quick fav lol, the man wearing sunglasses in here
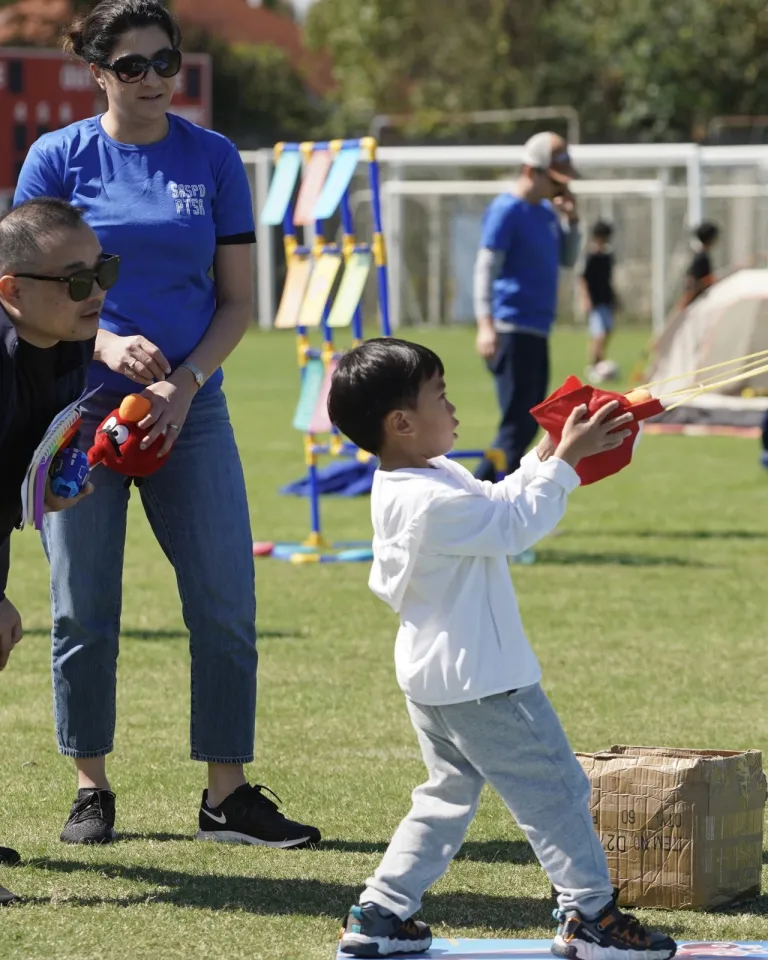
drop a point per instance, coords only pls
(53, 275)
(528, 234)
(51, 269)
(52, 281)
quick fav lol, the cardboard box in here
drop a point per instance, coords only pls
(680, 828)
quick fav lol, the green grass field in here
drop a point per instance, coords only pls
(645, 610)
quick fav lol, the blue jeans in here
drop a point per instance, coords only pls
(197, 508)
(515, 743)
(764, 429)
(520, 369)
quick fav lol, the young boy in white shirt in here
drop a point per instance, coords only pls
(471, 680)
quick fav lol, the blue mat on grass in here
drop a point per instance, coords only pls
(454, 949)
(342, 478)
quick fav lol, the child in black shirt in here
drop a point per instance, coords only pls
(700, 275)
(598, 295)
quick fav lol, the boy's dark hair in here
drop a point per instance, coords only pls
(24, 227)
(372, 380)
(602, 230)
(707, 232)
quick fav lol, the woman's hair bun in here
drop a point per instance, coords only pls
(74, 37)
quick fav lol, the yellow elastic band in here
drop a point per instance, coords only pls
(694, 392)
(763, 354)
(755, 366)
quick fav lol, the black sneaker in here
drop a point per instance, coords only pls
(247, 816)
(7, 897)
(370, 931)
(612, 935)
(92, 818)
(9, 857)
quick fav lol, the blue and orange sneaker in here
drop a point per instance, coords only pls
(612, 935)
(371, 931)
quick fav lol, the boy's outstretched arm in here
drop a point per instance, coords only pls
(466, 523)
(514, 483)
(474, 525)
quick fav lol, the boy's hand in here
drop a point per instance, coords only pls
(10, 630)
(545, 447)
(584, 436)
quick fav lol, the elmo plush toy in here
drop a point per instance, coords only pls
(554, 411)
(117, 443)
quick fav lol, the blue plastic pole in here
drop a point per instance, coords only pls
(347, 221)
(314, 504)
(379, 247)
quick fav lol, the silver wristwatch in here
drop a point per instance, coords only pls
(196, 372)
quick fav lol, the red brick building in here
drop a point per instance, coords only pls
(40, 23)
(34, 22)
(241, 21)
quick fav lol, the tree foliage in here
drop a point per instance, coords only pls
(653, 70)
(427, 56)
(258, 96)
(634, 69)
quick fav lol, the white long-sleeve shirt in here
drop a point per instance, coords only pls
(440, 548)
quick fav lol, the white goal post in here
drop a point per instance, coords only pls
(392, 191)
(658, 192)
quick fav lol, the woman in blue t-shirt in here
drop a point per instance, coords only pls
(172, 199)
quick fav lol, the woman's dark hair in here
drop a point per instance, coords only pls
(92, 37)
(372, 380)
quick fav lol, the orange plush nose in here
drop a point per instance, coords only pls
(134, 408)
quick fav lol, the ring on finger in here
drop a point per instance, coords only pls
(174, 426)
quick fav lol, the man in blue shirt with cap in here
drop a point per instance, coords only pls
(528, 234)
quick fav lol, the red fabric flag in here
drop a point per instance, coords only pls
(552, 413)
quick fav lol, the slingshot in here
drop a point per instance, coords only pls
(649, 400)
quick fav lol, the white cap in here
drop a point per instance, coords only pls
(549, 151)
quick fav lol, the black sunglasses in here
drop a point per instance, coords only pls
(81, 281)
(134, 67)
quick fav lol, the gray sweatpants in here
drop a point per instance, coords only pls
(515, 743)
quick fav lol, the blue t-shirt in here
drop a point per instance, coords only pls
(529, 235)
(163, 207)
